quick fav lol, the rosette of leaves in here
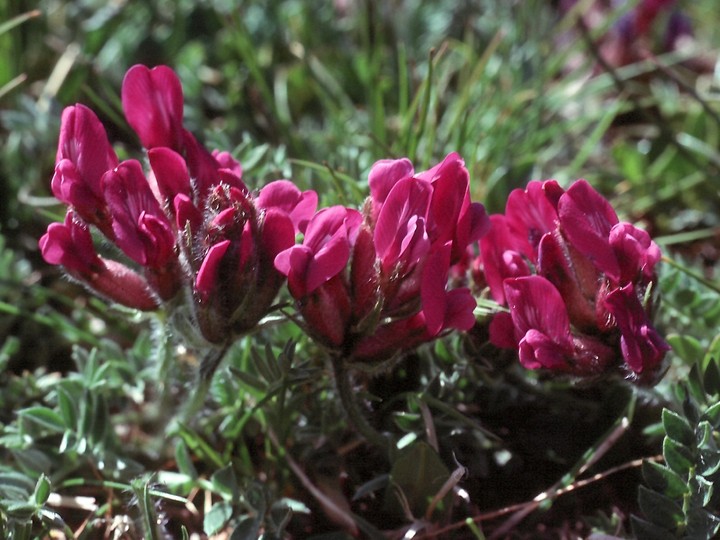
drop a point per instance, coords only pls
(678, 499)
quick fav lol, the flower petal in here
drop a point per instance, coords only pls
(586, 219)
(152, 100)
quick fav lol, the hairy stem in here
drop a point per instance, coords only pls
(356, 416)
(208, 366)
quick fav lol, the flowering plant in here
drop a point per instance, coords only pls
(374, 283)
(578, 283)
(311, 355)
(198, 240)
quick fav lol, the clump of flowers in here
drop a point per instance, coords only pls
(192, 238)
(577, 282)
(189, 232)
(370, 284)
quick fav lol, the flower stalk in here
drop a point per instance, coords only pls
(343, 382)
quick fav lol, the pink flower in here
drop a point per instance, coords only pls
(577, 256)
(543, 332)
(153, 103)
(453, 217)
(541, 323)
(189, 223)
(70, 245)
(237, 243)
(170, 174)
(503, 254)
(384, 174)
(324, 253)
(401, 238)
(83, 156)
(142, 229)
(284, 195)
(441, 308)
(532, 213)
(586, 219)
(641, 345)
(370, 286)
(316, 272)
(635, 252)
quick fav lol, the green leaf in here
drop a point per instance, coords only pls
(661, 510)
(281, 514)
(247, 529)
(662, 479)
(695, 384)
(677, 457)
(248, 379)
(217, 517)
(406, 421)
(67, 405)
(702, 490)
(688, 348)
(677, 428)
(711, 377)
(32, 461)
(141, 489)
(371, 486)
(199, 446)
(702, 524)
(184, 460)
(712, 415)
(100, 419)
(15, 485)
(52, 518)
(225, 482)
(644, 530)
(42, 490)
(690, 406)
(22, 511)
(419, 473)
(44, 417)
(704, 435)
(709, 462)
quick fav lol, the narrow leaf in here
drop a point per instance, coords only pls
(225, 482)
(217, 517)
(43, 417)
(677, 457)
(660, 509)
(662, 479)
(677, 428)
(184, 461)
(644, 530)
(42, 490)
(712, 415)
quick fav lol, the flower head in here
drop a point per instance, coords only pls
(374, 284)
(572, 276)
(188, 222)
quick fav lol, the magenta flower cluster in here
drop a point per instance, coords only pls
(190, 236)
(188, 227)
(577, 282)
(373, 283)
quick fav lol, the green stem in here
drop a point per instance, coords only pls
(208, 366)
(356, 416)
